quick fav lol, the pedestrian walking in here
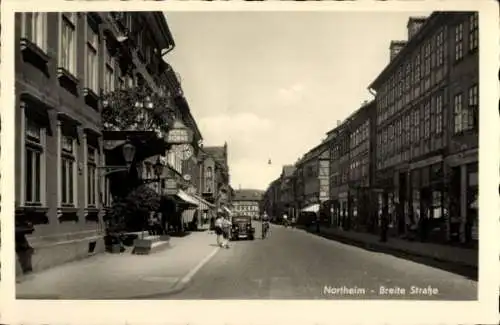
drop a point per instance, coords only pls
(285, 220)
(218, 223)
(384, 224)
(226, 231)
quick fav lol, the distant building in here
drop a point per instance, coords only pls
(287, 191)
(215, 185)
(312, 180)
(247, 202)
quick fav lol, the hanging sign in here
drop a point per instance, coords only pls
(179, 134)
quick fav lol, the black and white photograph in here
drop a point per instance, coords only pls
(260, 155)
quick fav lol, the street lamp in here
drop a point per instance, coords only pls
(158, 168)
(128, 153)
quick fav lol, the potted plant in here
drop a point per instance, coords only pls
(139, 204)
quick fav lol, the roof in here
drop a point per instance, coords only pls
(288, 170)
(247, 195)
(166, 39)
(216, 152)
(429, 22)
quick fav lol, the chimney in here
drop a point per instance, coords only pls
(339, 122)
(395, 47)
(414, 24)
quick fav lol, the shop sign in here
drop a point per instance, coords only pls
(171, 186)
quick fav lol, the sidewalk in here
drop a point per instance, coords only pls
(448, 254)
(124, 276)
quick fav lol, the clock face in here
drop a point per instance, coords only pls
(186, 151)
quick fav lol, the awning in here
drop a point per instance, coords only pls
(186, 198)
(188, 215)
(224, 209)
(203, 204)
(311, 208)
(227, 210)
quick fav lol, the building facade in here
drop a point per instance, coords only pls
(427, 130)
(287, 195)
(312, 182)
(216, 178)
(339, 175)
(361, 150)
(64, 63)
(272, 198)
(246, 202)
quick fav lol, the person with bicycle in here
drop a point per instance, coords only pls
(265, 225)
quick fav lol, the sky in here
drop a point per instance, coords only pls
(272, 84)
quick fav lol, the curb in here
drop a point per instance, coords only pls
(383, 248)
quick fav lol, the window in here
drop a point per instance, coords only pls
(34, 160)
(399, 131)
(91, 176)
(417, 69)
(416, 126)
(407, 129)
(427, 58)
(427, 120)
(108, 200)
(209, 173)
(473, 31)
(34, 28)
(109, 72)
(459, 29)
(473, 105)
(439, 114)
(408, 76)
(462, 115)
(68, 172)
(91, 63)
(391, 138)
(67, 48)
(440, 48)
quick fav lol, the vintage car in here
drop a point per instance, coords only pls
(242, 228)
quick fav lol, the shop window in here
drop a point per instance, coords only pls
(437, 204)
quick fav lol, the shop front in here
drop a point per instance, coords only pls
(463, 197)
(428, 218)
(343, 201)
